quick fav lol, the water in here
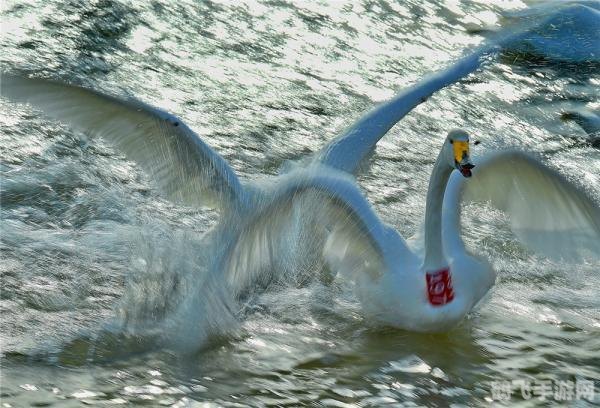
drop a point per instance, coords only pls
(102, 278)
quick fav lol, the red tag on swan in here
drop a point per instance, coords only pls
(439, 287)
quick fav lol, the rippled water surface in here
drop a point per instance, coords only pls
(94, 261)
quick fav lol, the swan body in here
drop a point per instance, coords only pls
(317, 215)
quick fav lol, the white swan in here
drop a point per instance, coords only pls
(562, 31)
(321, 203)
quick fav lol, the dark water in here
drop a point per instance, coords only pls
(94, 261)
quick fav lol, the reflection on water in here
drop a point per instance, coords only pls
(100, 275)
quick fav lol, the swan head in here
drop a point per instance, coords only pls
(456, 151)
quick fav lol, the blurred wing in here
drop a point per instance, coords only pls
(557, 31)
(314, 220)
(347, 151)
(547, 212)
(183, 167)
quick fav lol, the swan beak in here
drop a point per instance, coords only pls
(461, 158)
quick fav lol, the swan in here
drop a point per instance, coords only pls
(560, 31)
(262, 224)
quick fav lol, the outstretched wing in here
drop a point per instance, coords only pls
(564, 31)
(547, 212)
(184, 168)
(314, 218)
(348, 150)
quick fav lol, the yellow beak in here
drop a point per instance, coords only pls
(461, 158)
(461, 151)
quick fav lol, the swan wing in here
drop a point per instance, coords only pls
(547, 212)
(348, 150)
(314, 218)
(185, 169)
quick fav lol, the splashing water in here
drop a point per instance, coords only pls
(110, 293)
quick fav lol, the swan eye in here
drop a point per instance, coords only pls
(461, 151)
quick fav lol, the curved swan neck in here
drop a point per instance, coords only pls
(434, 254)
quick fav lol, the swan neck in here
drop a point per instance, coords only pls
(434, 254)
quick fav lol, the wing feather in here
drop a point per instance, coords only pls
(315, 218)
(184, 168)
(348, 150)
(547, 212)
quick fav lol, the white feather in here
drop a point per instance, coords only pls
(547, 212)
(184, 168)
(347, 151)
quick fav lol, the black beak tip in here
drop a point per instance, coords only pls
(465, 169)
